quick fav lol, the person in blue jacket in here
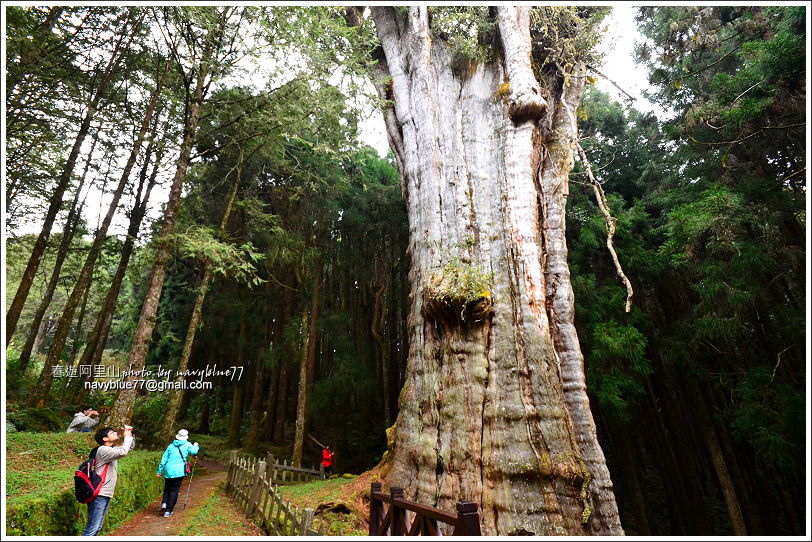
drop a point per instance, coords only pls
(173, 469)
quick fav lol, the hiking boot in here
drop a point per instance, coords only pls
(167, 514)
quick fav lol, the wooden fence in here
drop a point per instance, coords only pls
(282, 473)
(408, 518)
(250, 483)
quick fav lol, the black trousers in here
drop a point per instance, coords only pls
(171, 491)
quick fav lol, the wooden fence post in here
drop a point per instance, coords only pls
(259, 475)
(468, 518)
(307, 519)
(374, 510)
(397, 513)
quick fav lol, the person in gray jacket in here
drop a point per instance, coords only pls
(107, 454)
(82, 420)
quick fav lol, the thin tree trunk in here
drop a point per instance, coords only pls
(281, 405)
(98, 339)
(271, 398)
(194, 322)
(255, 427)
(62, 253)
(377, 333)
(628, 455)
(488, 412)
(205, 412)
(235, 428)
(77, 338)
(41, 332)
(86, 275)
(306, 370)
(123, 407)
(27, 279)
(717, 457)
(301, 402)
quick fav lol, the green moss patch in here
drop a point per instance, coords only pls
(328, 499)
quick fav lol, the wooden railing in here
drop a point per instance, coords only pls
(408, 518)
(250, 483)
(282, 473)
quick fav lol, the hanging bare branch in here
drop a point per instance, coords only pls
(610, 226)
(631, 98)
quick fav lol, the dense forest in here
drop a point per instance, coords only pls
(186, 191)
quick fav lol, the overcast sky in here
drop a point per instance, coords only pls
(618, 44)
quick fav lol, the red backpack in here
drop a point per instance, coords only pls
(87, 483)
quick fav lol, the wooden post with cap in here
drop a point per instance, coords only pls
(467, 519)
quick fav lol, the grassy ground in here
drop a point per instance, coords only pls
(219, 517)
(342, 503)
(41, 461)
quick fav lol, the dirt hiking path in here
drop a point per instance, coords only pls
(208, 484)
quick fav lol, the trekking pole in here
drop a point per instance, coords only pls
(188, 489)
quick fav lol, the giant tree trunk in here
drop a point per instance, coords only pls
(493, 408)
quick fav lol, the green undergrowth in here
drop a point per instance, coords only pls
(39, 484)
(212, 447)
(332, 502)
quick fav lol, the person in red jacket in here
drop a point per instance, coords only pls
(327, 460)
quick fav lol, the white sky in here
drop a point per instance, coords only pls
(618, 43)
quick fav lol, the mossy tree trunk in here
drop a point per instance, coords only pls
(494, 407)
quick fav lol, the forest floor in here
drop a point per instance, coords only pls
(209, 511)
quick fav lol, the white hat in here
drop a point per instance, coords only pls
(183, 434)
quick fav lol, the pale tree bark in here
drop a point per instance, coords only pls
(493, 407)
